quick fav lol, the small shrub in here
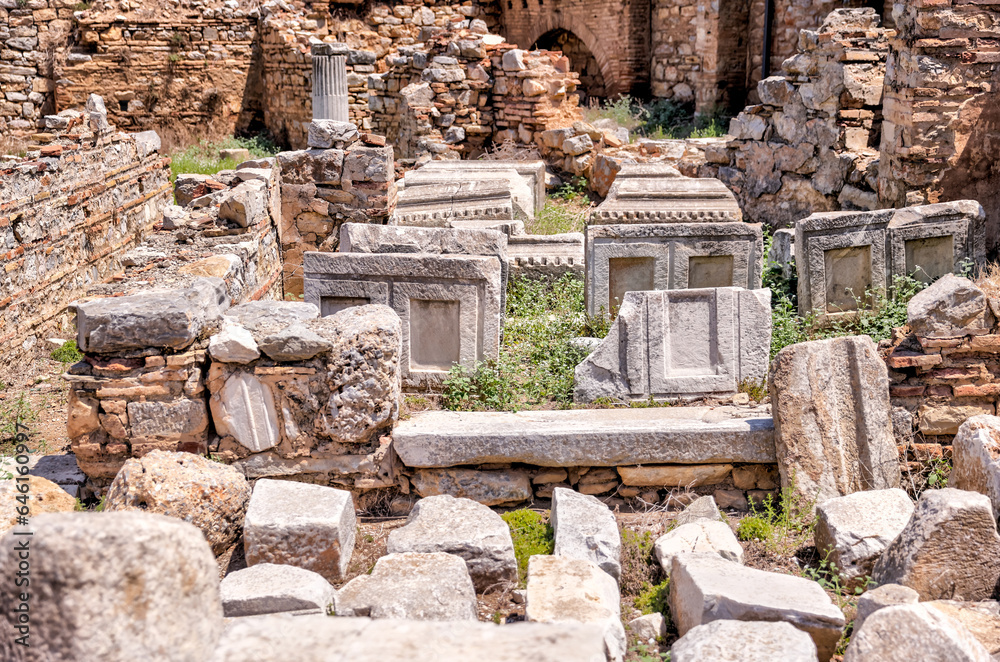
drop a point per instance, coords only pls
(558, 218)
(654, 598)
(712, 130)
(67, 353)
(646, 653)
(532, 535)
(778, 522)
(754, 527)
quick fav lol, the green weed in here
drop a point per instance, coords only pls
(532, 535)
(624, 110)
(778, 523)
(68, 352)
(203, 158)
(654, 598)
(757, 390)
(647, 653)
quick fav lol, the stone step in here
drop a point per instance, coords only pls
(587, 437)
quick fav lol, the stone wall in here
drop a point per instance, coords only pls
(69, 210)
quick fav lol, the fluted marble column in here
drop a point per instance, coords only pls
(329, 90)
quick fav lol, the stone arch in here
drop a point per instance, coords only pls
(593, 86)
(553, 24)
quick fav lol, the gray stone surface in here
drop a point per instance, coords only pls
(650, 193)
(245, 204)
(706, 587)
(702, 536)
(326, 134)
(744, 641)
(852, 531)
(546, 255)
(782, 253)
(210, 495)
(294, 343)
(982, 619)
(267, 588)
(585, 437)
(952, 307)
(329, 81)
(975, 454)
(913, 632)
(311, 638)
(187, 187)
(832, 424)
(425, 587)
(60, 469)
(156, 597)
(669, 256)
(521, 194)
(170, 319)
(464, 528)
(233, 344)
(308, 526)
(533, 173)
(585, 528)
(491, 488)
(880, 597)
(439, 204)
(244, 408)
(701, 508)
(665, 345)
(649, 627)
(949, 549)
(566, 590)
(263, 318)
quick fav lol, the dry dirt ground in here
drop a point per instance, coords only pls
(34, 393)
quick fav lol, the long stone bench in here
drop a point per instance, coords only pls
(585, 437)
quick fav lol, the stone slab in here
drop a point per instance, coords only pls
(521, 194)
(744, 641)
(546, 255)
(439, 204)
(640, 195)
(267, 588)
(585, 528)
(533, 173)
(586, 437)
(852, 531)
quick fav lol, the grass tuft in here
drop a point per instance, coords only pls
(203, 158)
(68, 352)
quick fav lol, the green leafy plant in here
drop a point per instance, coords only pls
(532, 535)
(778, 522)
(202, 158)
(940, 471)
(68, 352)
(624, 110)
(653, 598)
(174, 58)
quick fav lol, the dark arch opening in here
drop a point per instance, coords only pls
(592, 86)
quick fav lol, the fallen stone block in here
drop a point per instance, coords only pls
(294, 343)
(832, 423)
(521, 194)
(163, 319)
(655, 193)
(245, 204)
(299, 524)
(464, 528)
(533, 173)
(327, 133)
(982, 619)
(913, 632)
(949, 550)
(267, 588)
(706, 587)
(665, 345)
(547, 255)
(210, 495)
(155, 598)
(701, 508)
(566, 590)
(880, 597)
(42, 496)
(703, 536)
(584, 437)
(585, 528)
(233, 344)
(744, 641)
(975, 454)
(950, 308)
(424, 587)
(306, 638)
(650, 627)
(491, 488)
(677, 475)
(262, 318)
(437, 205)
(852, 531)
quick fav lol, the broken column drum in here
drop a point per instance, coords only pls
(329, 91)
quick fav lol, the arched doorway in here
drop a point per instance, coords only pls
(592, 86)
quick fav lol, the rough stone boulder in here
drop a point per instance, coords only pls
(648, 627)
(115, 587)
(328, 134)
(308, 638)
(233, 344)
(975, 454)
(913, 632)
(701, 508)
(44, 496)
(951, 307)
(210, 495)
(267, 588)
(263, 318)
(423, 587)
(880, 597)
(744, 641)
(585, 528)
(949, 550)
(852, 531)
(308, 526)
(566, 590)
(832, 424)
(187, 187)
(706, 587)
(164, 318)
(464, 528)
(982, 619)
(245, 204)
(704, 536)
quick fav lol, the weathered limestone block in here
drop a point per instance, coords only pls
(852, 531)
(942, 418)
(565, 590)
(155, 598)
(521, 194)
(654, 193)
(364, 640)
(585, 528)
(438, 205)
(982, 619)
(703, 536)
(699, 509)
(913, 632)
(880, 597)
(267, 588)
(181, 419)
(491, 488)
(308, 526)
(246, 204)
(294, 343)
(168, 319)
(676, 475)
(210, 495)
(533, 173)
(233, 344)
(951, 307)
(949, 550)
(464, 528)
(244, 408)
(833, 431)
(706, 587)
(43, 496)
(329, 133)
(680, 343)
(546, 255)
(425, 587)
(975, 454)
(187, 187)
(649, 627)
(744, 641)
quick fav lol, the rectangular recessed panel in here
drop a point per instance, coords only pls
(930, 258)
(435, 334)
(692, 338)
(331, 305)
(629, 274)
(710, 271)
(848, 277)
